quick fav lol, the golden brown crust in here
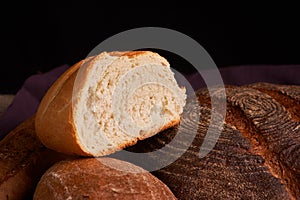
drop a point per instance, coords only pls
(55, 108)
(131, 54)
(171, 124)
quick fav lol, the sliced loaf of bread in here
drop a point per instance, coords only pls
(110, 101)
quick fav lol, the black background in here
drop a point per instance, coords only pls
(37, 37)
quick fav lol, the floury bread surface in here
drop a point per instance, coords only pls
(100, 178)
(110, 101)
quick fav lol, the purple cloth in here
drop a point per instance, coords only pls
(29, 96)
(27, 99)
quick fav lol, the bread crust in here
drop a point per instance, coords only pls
(23, 160)
(104, 178)
(54, 122)
(169, 125)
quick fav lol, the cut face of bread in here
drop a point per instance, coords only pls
(124, 98)
(117, 98)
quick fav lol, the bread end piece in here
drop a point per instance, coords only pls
(83, 112)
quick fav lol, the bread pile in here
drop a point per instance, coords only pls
(99, 106)
(256, 155)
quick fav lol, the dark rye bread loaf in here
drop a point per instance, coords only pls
(257, 155)
(23, 160)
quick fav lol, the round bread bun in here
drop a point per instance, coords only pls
(99, 178)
